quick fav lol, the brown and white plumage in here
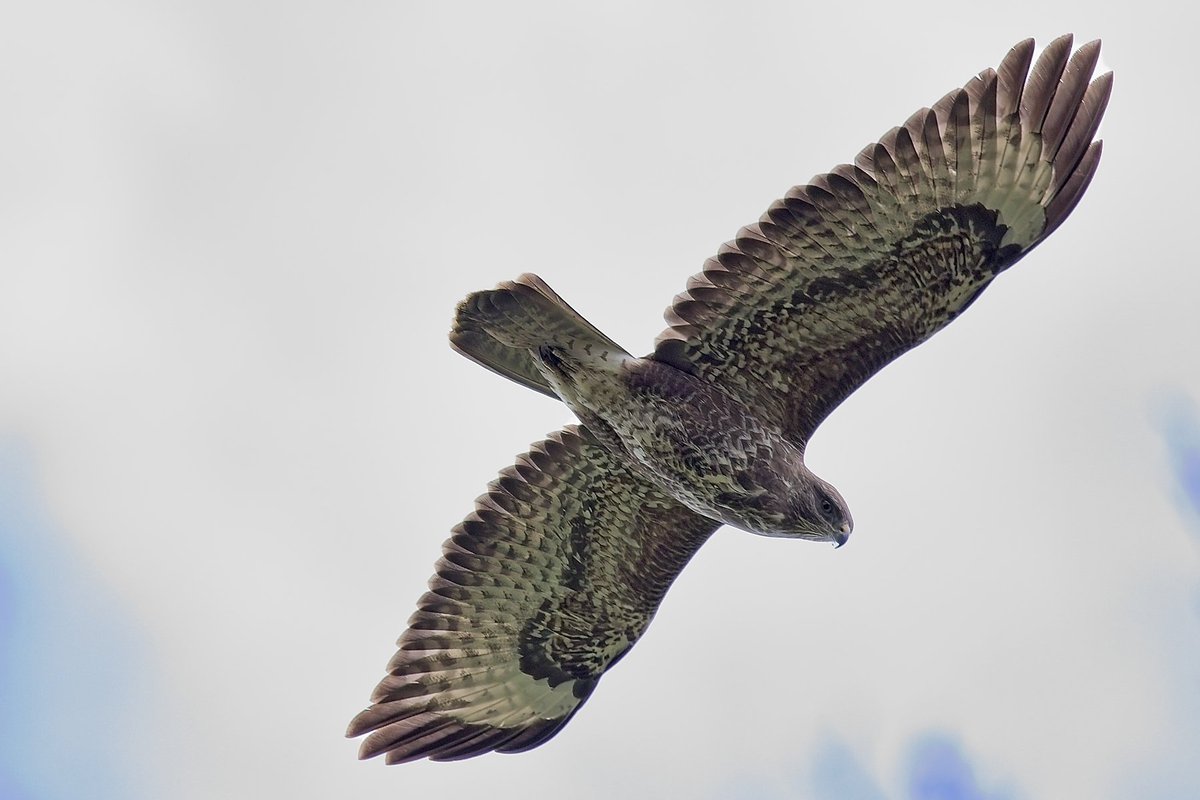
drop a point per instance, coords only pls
(562, 564)
(537, 592)
(869, 260)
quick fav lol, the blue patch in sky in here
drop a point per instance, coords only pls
(1175, 772)
(839, 775)
(71, 665)
(937, 769)
(1181, 434)
(934, 767)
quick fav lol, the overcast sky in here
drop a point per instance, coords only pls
(233, 436)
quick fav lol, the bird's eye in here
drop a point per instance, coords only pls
(827, 507)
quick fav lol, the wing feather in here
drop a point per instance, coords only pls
(542, 588)
(1079, 135)
(865, 262)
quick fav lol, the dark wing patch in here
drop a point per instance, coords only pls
(864, 263)
(549, 581)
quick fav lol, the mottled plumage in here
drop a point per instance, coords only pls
(564, 561)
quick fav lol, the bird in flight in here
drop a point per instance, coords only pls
(561, 566)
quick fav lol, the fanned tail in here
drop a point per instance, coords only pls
(503, 328)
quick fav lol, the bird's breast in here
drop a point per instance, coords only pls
(699, 444)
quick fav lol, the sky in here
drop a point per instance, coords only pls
(233, 436)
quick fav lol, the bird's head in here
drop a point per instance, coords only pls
(819, 512)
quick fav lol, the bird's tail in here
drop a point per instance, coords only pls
(508, 329)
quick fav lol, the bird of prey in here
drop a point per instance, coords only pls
(562, 564)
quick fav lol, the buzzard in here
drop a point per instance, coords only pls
(562, 564)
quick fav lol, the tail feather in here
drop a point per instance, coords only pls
(516, 365)
(502, 329)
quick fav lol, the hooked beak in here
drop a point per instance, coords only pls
(842, 535)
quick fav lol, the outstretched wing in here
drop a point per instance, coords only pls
(862, 264)
(541, 589)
